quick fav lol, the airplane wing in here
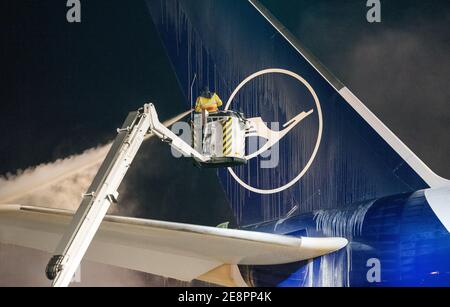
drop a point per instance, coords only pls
(180, 251)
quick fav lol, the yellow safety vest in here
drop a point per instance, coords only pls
(209, 104)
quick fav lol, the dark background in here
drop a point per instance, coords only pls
(67, 87)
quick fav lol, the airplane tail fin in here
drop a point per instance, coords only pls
(339, 154)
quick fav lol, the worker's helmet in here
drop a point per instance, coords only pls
(206, 93)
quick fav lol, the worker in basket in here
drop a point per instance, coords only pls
(208, 101)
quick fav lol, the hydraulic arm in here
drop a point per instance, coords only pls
(103, 190)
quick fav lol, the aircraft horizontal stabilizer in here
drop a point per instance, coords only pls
(181, 251)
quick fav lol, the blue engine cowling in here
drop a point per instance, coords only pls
(393, 241)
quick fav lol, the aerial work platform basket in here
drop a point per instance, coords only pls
(220, 137)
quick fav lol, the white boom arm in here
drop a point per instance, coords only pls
(168, 136)
(103, 190)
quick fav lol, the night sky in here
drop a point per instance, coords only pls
(67, 87)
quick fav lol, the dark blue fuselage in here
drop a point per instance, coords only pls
(393, 241)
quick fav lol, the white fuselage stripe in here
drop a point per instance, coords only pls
(439, 201)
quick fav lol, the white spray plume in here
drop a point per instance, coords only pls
(58, 184)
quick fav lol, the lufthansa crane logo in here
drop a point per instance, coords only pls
(273, 137)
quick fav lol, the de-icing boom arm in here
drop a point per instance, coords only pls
(103, 190)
